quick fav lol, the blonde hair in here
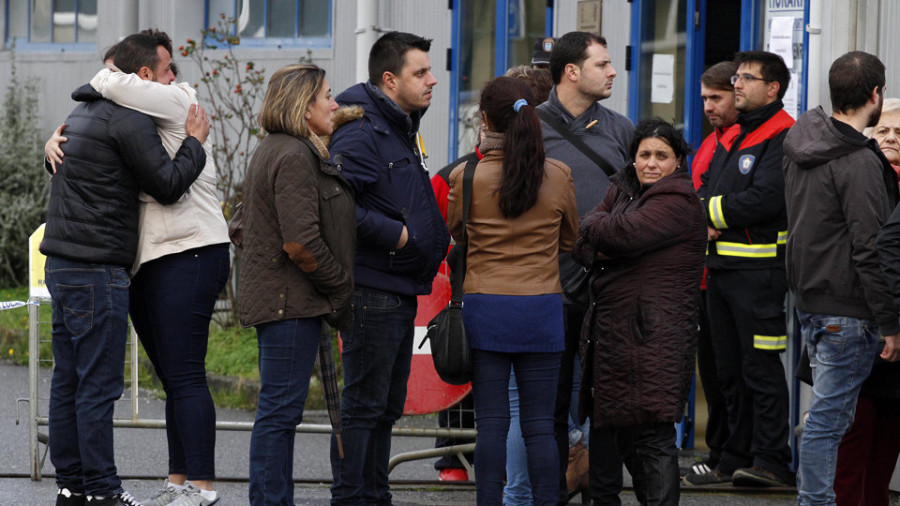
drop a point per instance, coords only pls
(291, 89)
(889, 105)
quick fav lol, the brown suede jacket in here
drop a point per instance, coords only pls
(514, 256)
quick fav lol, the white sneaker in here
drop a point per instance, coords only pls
(191, 496)
(162, 497)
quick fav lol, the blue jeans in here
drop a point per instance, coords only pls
(517, 491)
(536, 376)
(841, 352)
(377, 354)
(172, 301)
(90, 325)
(287, 352)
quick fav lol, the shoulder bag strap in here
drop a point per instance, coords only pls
(458, 271)
(578, 143)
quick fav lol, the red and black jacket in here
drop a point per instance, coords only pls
(743, 192)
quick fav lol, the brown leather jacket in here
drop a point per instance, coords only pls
(518, 256)
(299, 235)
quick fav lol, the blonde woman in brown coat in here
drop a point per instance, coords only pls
(297, 267)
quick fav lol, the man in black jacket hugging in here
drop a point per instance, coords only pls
(90, 242)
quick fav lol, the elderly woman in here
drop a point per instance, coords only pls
(646, 244)
(868, 452)
(296, 271)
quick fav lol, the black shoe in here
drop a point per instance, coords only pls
(757, 477)
(702, 467)
(714, 477)
(123, 499)
(65, 497)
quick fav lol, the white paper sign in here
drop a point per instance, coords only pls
(791, 102)
(663, 80)
(781, 39)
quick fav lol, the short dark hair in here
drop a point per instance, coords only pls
(660, 129)
(771, 65)
(162, 39)
(571, 48)
(389, 51)
(136, 51)
(718, 77)
(852, 78)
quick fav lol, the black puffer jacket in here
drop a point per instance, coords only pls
(639, 334)
(112, 154)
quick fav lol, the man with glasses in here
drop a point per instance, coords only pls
(743, 192)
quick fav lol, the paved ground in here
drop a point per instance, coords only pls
(141, 457)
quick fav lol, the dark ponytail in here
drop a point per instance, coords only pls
(523, 143)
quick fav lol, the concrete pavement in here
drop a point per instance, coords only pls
(141, 459)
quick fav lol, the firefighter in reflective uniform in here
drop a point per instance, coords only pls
(743, 193)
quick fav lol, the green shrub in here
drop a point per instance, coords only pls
(25, 190)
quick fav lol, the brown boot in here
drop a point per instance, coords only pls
(577, 479)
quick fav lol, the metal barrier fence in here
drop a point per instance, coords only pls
(39, 327)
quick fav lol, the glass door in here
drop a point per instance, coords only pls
(490, 36)
(658, 88)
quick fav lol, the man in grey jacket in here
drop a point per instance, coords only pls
(583, 75)
(839, 190)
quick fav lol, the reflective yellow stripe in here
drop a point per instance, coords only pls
(715, 212)
(769, 342)
(782, 237)
(736, 249)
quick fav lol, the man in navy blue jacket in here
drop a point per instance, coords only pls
(402, 239)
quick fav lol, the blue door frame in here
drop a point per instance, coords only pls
(501, 55)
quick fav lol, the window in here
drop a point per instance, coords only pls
(304, 23)
(39, 22)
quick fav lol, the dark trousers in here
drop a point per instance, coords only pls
(743, 304)
(716, 409)
(650, 454)
(287, 352)
(90, 325)
(377, 354)
(605, 473)
(536, 376)
(461, 416)
(172, 301)
(868, 454)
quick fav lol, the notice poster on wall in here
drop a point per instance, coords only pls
(781, 39)
(663, 79)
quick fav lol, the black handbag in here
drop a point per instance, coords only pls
(446, 331)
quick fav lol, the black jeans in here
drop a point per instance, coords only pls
(651, 457)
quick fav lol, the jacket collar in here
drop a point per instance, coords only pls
(752, 120)
(86, 93)
(391, 112)
(627, 180)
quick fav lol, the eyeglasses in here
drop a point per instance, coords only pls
(747, 78)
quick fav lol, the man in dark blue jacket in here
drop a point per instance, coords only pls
(90, 242)
(402, 239)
